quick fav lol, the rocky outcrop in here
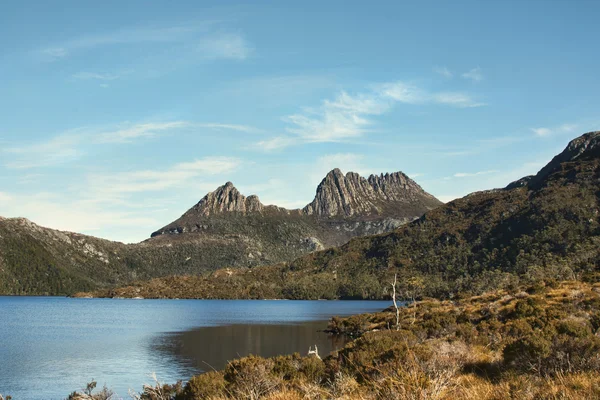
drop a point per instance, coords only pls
(349, 195)
(582, 148)
(339, 197)
(227, 199)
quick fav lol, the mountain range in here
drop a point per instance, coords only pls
(537, 230)
(224, 229)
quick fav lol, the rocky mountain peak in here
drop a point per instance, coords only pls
(585, 147)
(352, 194)
(226, 198)
(390, 199)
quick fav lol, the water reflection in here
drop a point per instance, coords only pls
(205, 348)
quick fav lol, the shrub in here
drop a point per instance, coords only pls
(251, 377)
(527, 353)
(313, 369)
(204, 386)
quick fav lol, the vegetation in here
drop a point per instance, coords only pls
(40, 261)
(545, 229)
(536, 342)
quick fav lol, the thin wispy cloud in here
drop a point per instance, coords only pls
(178, 175)
(227, 46)
(402, 92)
(443, 71)
(54, 53)
(124, 36)
(72, 145)
(276, 143)
(564, 128)
(471, 174)
(350, 116)
(207, 37)
(57, 150)
(129, 134)
(474, 75)
(232, 127)
(98, 76)
(68, 213)
(5, 197)
(456, 99)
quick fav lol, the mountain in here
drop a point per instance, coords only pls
(224, 229)
(538, 229)
(237, 231)
(339, 197)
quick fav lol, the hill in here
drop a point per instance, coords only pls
(225, 229)
(542, 227)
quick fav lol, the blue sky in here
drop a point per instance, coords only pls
(116, 117)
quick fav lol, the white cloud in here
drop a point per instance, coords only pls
(58, 150)
(276, 143)
(443, 71)
(567, 128)
(344, 161)
(105, 77)
(54, 53)
(127, 135)
(5, 197)
(564, 128)
(456, 99)
(474, 75)
(202, 35)
(403, 92)
(359, 104)
(122, 36)
(471, 174)
(69, 146)
(541, 131)
(72, 214)
(232, 127)
(96, 76)
(178, 175)
(231, 46)
(351, 116)
(125, 206)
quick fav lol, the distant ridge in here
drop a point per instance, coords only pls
(351, 194)
(338, 196)
(538, 230)
(224, 229)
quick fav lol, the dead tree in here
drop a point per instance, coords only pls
(396, 304)
(314, 352)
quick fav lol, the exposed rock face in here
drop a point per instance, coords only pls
(227, 199)
(582, 148)
(337, 195)
(349, 195)
(585, 147)
(228, 229)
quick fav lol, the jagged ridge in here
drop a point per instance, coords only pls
(339, 195)
(485, 241)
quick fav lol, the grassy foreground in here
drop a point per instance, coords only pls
(540, 343)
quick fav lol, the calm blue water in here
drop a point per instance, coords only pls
(50, 346)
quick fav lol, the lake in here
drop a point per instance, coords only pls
(51, 346)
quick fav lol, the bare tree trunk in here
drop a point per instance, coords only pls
(414, 310)
(395, 304)
(314, 352)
